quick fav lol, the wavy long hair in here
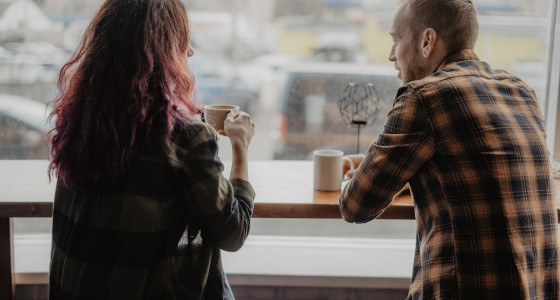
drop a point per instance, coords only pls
(128, 74)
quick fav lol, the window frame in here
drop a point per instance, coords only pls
(553, 83)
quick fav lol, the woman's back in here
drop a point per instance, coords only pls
(122, 241)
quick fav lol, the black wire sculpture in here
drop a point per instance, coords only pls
(359, 106)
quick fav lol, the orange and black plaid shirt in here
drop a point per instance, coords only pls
(470, 141)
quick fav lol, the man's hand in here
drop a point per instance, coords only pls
(356, 159)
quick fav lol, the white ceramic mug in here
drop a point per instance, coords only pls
(327, 169)
(215, 115)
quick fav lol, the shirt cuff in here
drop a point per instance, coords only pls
(243, 188)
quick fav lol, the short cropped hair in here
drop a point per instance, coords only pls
(455, 21)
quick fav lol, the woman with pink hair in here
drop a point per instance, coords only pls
(142, 209)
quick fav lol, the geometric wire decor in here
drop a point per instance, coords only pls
(359, 106)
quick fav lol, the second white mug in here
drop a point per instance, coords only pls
(327, 169)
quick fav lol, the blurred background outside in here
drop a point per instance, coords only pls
(286, 62)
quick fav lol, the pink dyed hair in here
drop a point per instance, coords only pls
(128, 73)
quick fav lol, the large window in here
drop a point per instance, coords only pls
(286, 62)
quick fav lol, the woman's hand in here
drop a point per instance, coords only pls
(239, 128)
(356, 159)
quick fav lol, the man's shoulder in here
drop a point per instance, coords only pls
(461, 73)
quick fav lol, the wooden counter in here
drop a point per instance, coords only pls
(284, 190)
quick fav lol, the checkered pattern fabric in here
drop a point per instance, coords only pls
(157, 232)
(470, 141)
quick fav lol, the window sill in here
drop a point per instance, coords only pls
(275, 261)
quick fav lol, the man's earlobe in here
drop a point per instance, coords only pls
(429, 40)
(427, 51)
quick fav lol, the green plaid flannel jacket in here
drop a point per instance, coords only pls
(157, 232)
(470, 141)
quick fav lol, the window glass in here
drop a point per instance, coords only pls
(286, 62)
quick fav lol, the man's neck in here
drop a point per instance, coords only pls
(463, 54)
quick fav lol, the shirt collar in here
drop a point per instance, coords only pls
(465, 54)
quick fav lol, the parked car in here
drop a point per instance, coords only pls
(308, 115)
(23, 128)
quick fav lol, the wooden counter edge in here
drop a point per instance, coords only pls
(26, 210)
(262, 210)
(323, 211)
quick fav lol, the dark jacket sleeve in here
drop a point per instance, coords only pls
(220, 208)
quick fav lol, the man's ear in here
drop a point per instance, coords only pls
(429, 40)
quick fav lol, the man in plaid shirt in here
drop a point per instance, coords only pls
(470, 142)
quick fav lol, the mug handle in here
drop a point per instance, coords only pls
(351, 166)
